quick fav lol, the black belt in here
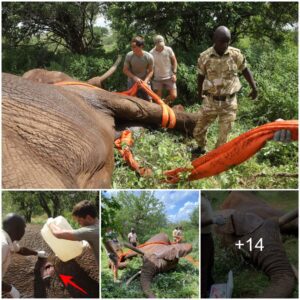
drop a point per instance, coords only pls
(219, 98)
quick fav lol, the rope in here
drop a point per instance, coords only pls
(144, 245)
(168, 115)
(234, 152)
(126, 138)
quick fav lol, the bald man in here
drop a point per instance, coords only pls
(13, 229)
(218, 84)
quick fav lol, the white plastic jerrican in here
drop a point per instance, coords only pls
(64, 249)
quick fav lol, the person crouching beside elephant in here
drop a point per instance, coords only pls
(13, 229)
(85, 213)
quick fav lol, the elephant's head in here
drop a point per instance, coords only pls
(161, 258)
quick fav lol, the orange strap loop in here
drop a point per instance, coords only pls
(168, 115)
(126, 138)
(234, 152)
(62, 83)
(144, 245)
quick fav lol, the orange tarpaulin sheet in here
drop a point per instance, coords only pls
(234, 152)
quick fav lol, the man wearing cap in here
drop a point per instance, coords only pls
(138, 66)
(165, 69)
(218, 84)
(13, 229)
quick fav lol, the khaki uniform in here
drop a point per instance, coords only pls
(221, 83)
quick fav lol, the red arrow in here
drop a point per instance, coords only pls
(68, 280)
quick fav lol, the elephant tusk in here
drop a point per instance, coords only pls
(288, 217)
(133, 277)
(295, 271)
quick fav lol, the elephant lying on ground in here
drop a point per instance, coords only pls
(272, 260)
(25, 274)
(249, 202)
(158, 258)
(62, 137)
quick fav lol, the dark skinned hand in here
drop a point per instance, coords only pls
(253, 94)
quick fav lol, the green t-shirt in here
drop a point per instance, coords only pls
(91, 235)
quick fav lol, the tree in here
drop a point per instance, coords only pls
(70, 24)
(53, 203)
(194, 217)
(188, 26)
(141, 211)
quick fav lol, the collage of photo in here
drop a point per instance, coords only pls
(149, 149)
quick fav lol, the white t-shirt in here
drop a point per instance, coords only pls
(162, 63)
(8, 249)
(132, 237)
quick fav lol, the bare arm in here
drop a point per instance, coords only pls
(174, 67)
(248, 76)
(26, 252)
(127, 72)
(149, 74)
(62, 233)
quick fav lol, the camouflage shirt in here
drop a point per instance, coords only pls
(221, 72)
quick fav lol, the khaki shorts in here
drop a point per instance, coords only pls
(169, 84)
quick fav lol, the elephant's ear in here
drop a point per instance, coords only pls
(168, 253)
(245, 223)
(239, 223)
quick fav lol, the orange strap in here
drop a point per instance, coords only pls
(62, 83)
(126, 138)
(234, 152)
(144, 245)
(168, 115)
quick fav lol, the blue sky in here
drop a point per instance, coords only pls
(178, 204)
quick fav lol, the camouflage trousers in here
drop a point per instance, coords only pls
(211, 109)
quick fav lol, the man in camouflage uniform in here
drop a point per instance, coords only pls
(218, 84)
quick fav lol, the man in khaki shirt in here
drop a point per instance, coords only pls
(218, 84)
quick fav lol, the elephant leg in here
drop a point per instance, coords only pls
(207, 258)
(146, 277)
(272, 260)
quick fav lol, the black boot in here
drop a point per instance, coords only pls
(198, 151)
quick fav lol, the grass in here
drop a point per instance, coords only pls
(276, 166)
(173, 284)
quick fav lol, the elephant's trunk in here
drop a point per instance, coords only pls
(272, 260)
(146, 277)
(286, 218)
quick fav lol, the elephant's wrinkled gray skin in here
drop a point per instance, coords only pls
(24, 271)
(248, 202)
(273, 261)
(159, 258)
(62, 137)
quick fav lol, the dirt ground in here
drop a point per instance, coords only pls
(24, 272)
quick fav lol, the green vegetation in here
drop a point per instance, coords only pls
(42, 35)
(228, 259)
(38, 206)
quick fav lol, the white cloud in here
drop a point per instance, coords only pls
(184, 212)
